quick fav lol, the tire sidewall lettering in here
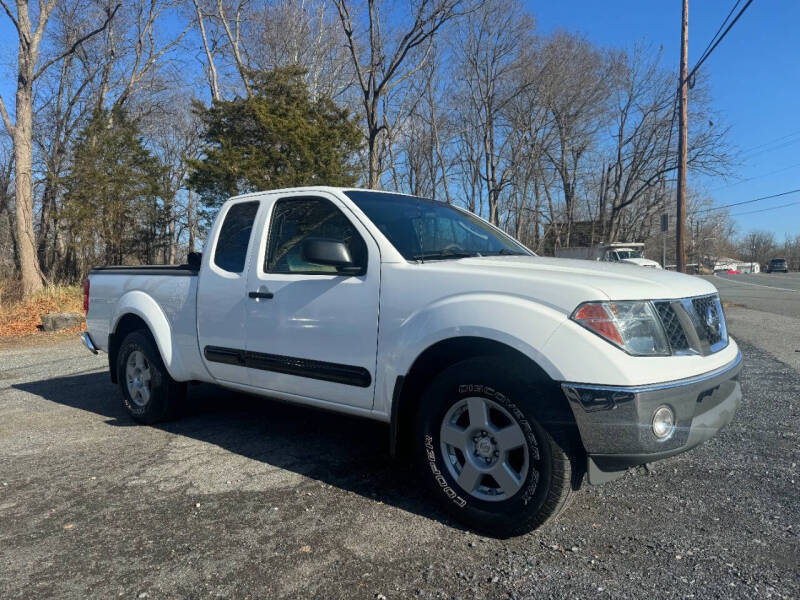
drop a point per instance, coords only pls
(448, 491)
(532, 480)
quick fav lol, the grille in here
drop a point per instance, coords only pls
(704, 318)
(672, 327)
(706, 331)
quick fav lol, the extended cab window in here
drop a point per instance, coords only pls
(295, 220)
(234, 236)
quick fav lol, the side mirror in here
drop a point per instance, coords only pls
(331, 253)
(194, 259)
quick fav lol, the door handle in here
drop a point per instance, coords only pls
(266, 295)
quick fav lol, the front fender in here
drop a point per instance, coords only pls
(146, 308)
(511, 320)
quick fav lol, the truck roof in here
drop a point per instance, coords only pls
(624, 245)
(315, 188)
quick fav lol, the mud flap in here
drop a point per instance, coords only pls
(596, 476)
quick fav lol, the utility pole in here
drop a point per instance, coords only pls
(683, 140)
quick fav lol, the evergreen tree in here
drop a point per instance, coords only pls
(113, 192)
(279, 137)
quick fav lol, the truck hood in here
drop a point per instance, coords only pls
(587, 280)
(642, 262)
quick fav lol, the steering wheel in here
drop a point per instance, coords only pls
(452, 248)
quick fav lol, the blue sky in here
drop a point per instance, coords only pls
(754, 76)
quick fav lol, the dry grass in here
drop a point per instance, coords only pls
(24, 317)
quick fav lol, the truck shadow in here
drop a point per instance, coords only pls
(347, 452)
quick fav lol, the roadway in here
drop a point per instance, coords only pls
(777, 293)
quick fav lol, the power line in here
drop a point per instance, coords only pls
(741, 181)
(711, 41)
(724, 206)
(752, 212)
(770, 142)
(767, 150)
(722, 37)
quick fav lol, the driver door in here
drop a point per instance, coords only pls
(312, 331)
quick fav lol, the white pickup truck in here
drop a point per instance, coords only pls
(506, 375)
(630, 253)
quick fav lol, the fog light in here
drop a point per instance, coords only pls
(663, 422)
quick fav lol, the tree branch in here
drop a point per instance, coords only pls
(6, 120)
(10, 14)
(80, 41)
(347, 25)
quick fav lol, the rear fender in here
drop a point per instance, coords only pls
(147, 309)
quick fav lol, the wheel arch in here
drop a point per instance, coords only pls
(433, 360)
(137, 310)
(126, 324)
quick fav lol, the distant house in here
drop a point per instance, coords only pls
(749, 267)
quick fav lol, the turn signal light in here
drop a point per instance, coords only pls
(597, 318)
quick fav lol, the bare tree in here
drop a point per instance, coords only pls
(491, 69)
(231, 20)
(758, 246)
(287, 33)
(211, 67)
(388, 64)
(576, 96)
(175, 141)
(8, 246)
(21, 131)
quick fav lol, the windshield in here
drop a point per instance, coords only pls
(423, 229)
(623, 254)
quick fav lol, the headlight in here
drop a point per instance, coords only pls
(632, 326)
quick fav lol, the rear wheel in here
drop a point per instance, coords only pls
(149, 393)
(496, 449)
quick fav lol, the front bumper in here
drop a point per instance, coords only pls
(615, 422)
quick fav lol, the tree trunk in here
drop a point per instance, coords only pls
(31, 275)
(190, 220)
(374, 170)
(171, 245)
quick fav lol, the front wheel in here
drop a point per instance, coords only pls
(149, 393)
(495, 449)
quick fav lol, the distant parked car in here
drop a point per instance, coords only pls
(777, 265)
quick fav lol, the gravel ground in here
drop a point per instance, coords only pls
(249, 498)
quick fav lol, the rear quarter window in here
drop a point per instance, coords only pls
(234, 237)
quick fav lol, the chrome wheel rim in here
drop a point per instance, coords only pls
(485, 449)
(137, 377)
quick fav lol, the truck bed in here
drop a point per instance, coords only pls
(164, 297)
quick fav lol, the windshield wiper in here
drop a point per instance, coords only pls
(443, 255)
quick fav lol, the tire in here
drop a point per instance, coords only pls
(531, 435)
(149, 394)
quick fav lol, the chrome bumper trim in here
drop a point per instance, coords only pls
(87, 341)
(654, 387)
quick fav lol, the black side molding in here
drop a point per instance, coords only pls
(302, 367)
(229, 356)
